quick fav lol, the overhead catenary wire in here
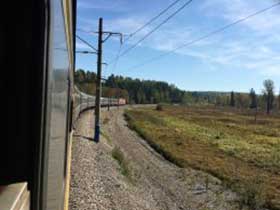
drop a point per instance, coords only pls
(152, 19)
(156, 28)
(144, 25)
(115, 61)
(87, 43)
(119, 54)
(212, 33)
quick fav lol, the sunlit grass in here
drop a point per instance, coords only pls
(226, 143)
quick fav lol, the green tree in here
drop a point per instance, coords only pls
(232, 99)
(253, 98)
(187, 98)
(242, 100)
(219, 101)
(279, 100)
(80, 76)
(268, 94)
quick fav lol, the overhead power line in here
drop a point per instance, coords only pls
(88, 44)
(115, 60)
(119, 54)
(206, 36)
(152, 19)
(115, 63)
(156, 28)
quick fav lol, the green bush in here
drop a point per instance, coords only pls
(251, 194)
(159, 107)
(118, 155)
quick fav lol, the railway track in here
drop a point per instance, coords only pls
(152, 182)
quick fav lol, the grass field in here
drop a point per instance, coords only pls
(226, 143)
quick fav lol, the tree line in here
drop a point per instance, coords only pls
(137, 91)
(134, 90)
(268, 100)
(85, 81)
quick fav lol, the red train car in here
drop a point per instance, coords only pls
(122, 101)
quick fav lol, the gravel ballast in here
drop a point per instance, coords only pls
(150, 182)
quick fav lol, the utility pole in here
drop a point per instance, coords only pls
(99, 71)
(109, 100)
(98, 83)
(118, 98)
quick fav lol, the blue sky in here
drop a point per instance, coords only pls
(237, 59)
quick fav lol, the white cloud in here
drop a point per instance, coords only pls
(268, 21)
(271, 71)
(250, 47)
(127, 25)
(215, 51)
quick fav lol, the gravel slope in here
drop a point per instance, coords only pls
(152, 184)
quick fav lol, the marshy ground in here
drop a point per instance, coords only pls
(226, 143)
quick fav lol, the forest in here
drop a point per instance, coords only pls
(137, 91)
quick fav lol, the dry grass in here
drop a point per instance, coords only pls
(224, 142)
(118, 155)
(106, 120)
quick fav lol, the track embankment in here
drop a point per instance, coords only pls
(122, 172)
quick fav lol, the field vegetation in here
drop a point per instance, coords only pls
(118, 155)
(225, 142)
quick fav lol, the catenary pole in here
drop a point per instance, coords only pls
(98, 83)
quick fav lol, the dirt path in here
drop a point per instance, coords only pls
(152, 183)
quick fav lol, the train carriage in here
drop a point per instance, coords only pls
(35, 158)
(39, 44)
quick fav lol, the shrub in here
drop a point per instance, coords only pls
(118, 155)
(106, 120)
(159, 107)
(251, 194)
